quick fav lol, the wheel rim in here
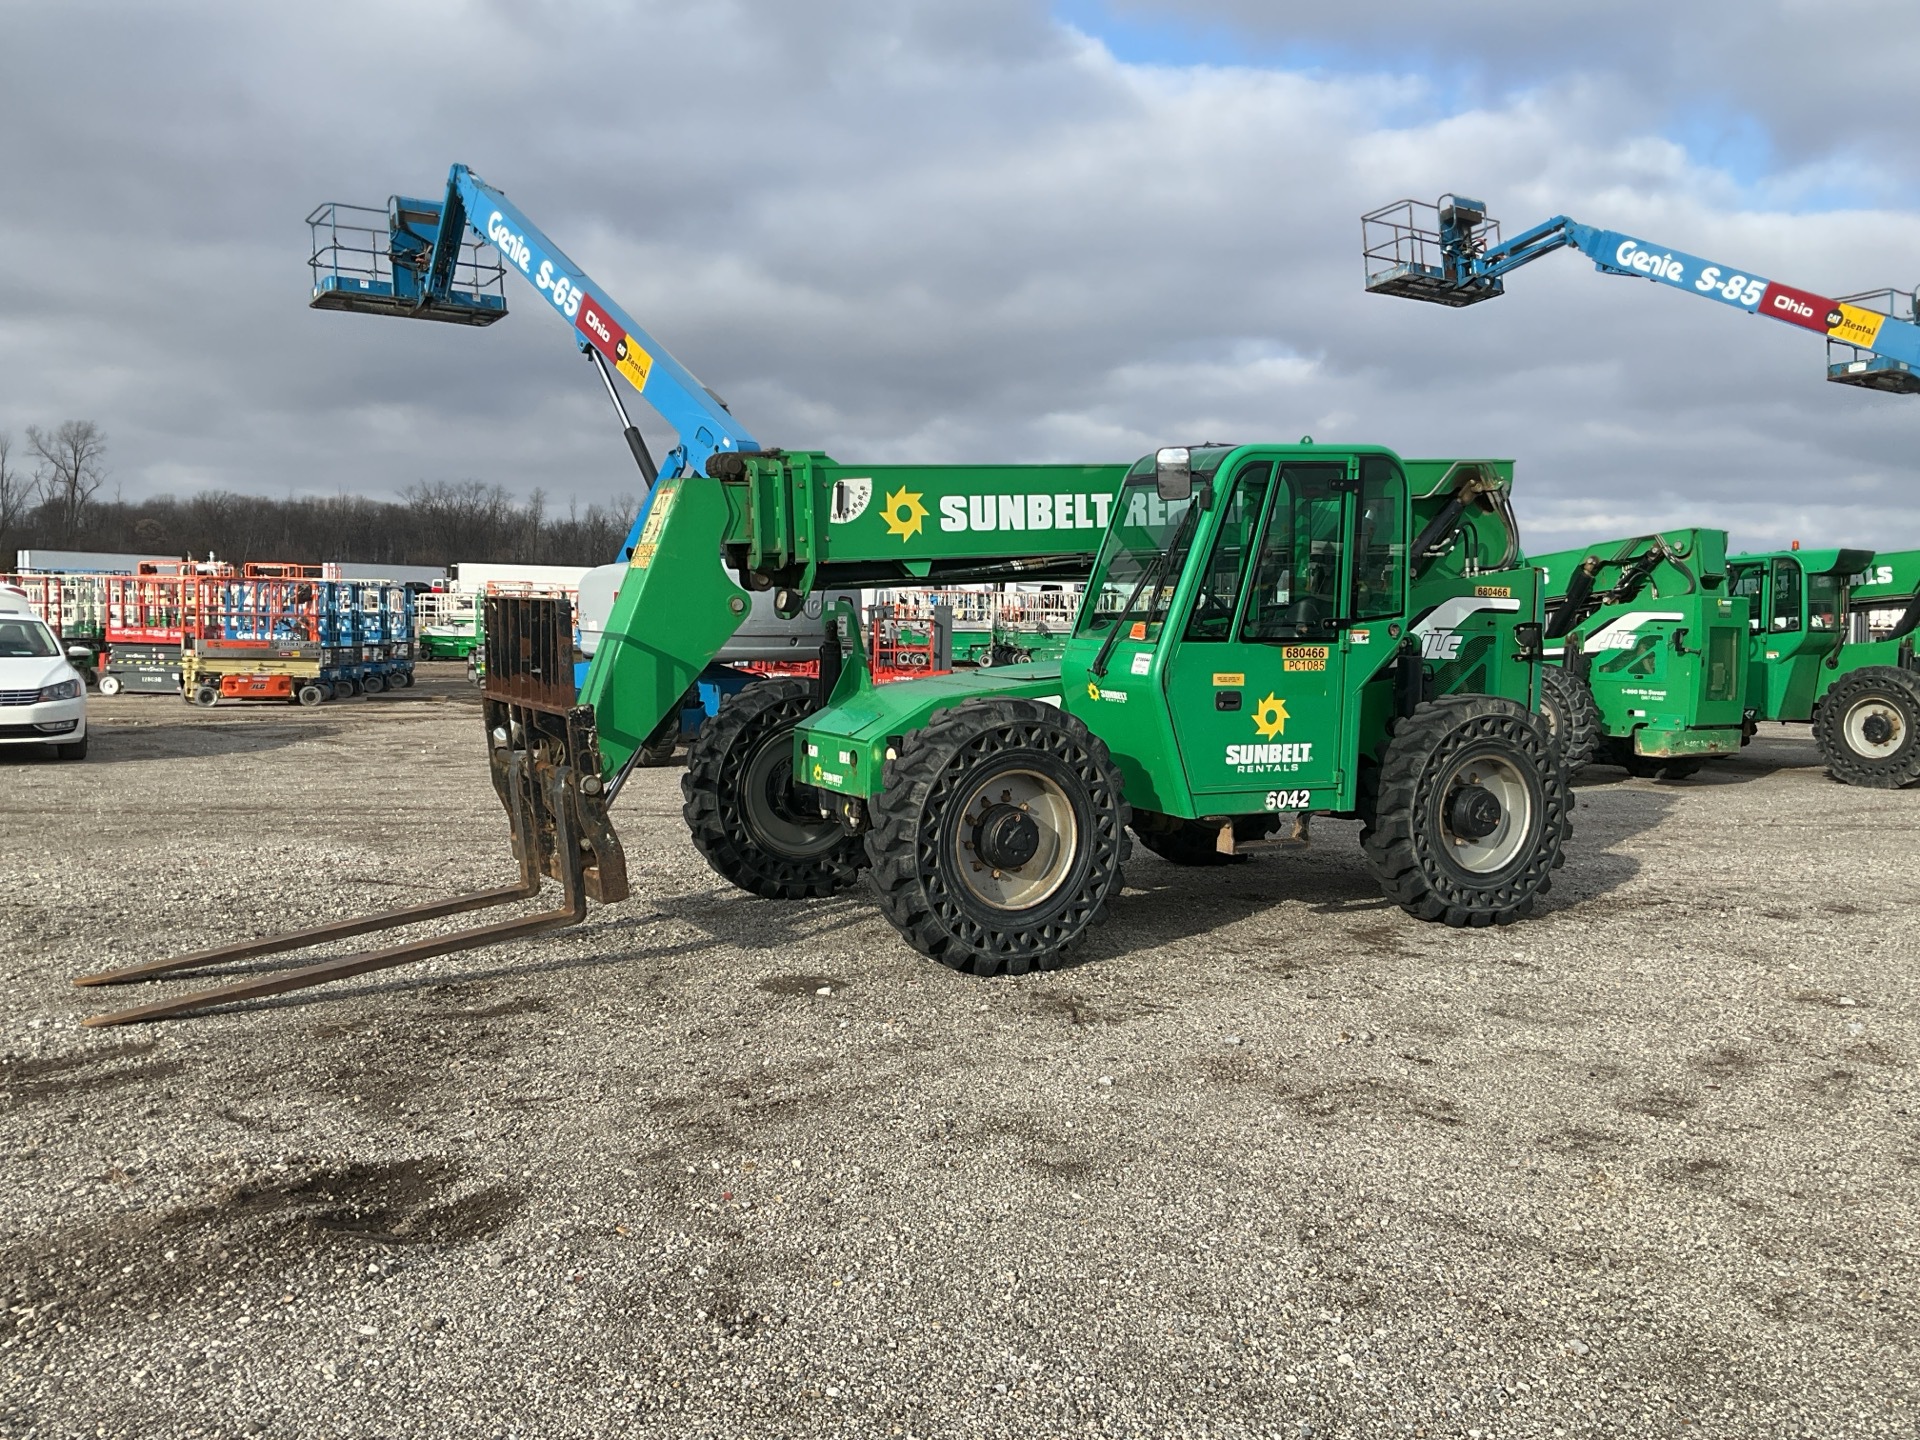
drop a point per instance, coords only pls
(1024, 821)
(1486, 813)
(783, 816)
(1875, 729)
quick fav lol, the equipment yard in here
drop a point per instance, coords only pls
(1268, 1157)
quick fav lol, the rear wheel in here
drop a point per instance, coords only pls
(310, 695)
(372, 685)
(109, 685)
(1467, 813)
(1573, 719)
(1868, 728)
(402, 679)
(1000, 836)
(1180, 842)
(756, 825)
(206, 697)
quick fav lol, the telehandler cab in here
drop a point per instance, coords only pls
(1813, 656)
(1270, 632)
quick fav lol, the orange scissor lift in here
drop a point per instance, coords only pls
(254, 636)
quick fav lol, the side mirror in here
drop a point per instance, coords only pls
(79, 652)
(1173, 473)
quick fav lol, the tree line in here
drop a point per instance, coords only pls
(50, 498)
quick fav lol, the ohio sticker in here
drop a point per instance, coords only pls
(1303, 657)
(607, 335)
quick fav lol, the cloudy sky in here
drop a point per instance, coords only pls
(946, 230)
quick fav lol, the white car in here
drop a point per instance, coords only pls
(43, 699)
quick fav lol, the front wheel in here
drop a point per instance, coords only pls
(372, 685)
(205, 696)
(756, 825)
(1467, 812)
(1000, 836)
(73, 750)
(310, 695)
(1868, 728)
(109, 685)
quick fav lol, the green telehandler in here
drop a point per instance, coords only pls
(1268, 633)
(1647, 651)
(1814, 655)
(1670, 653)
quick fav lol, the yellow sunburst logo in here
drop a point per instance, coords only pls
(1093, 690)
(904, 513)
(1271, 718)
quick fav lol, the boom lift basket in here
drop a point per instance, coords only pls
(545, 764)
(1851, 365)
(375, 262)
(1407, 254)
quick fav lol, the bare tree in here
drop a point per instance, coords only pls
(71, 472)
(19, 491)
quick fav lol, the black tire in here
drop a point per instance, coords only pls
(1573, 719)
(346, 688)
(205, 696)
(309, 695)
(929, 852)
(756, 825)
(73, 749)
(1180, 842)
(109, 685)
(372, 685)
(1453, 766)
(1868, 728)
(401, 680)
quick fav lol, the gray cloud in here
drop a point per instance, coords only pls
(945, 231)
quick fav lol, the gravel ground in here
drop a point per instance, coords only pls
(1273, 1159)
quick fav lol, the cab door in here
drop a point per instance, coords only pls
(1255, 685)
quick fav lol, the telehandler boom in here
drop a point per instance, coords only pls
(1270, 632)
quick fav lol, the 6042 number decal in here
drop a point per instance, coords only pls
(1289, 799)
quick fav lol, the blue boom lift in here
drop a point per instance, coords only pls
(447, 260)
(1451, 254)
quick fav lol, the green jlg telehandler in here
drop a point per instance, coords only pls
(1815, 654)
(1270, 632)
(1646, 646)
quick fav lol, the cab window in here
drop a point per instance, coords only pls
(1296, 579)
(1219, 592)
(1823, 603)
(1786, 596)
(1380, 547)
(1750, 580)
